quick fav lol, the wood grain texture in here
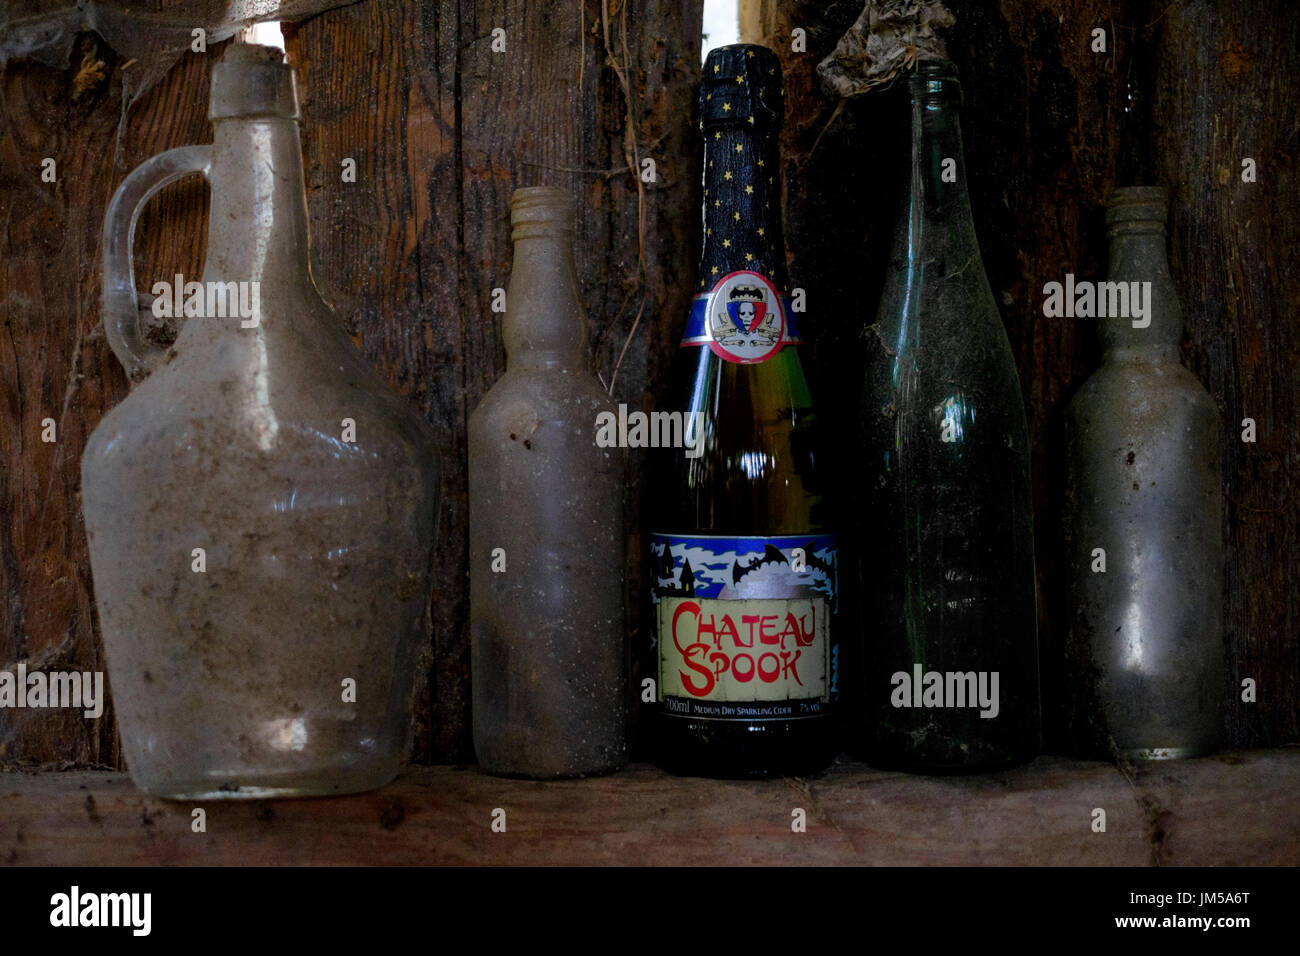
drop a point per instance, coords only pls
(442, 129)
(1049, 130)
(54, 360)
(1224, 92)
(1231, 810)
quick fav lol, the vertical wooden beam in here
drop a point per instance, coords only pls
(1226, 93)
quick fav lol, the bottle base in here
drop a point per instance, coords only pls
(1166, 753)
(254, 786)
(724, 750)
(505, 774)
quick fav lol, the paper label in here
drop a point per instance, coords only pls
(743, 319)
(743, 624)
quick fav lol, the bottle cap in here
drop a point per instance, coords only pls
(253, 80)
(742, 86)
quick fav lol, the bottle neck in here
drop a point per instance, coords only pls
(544, 326)
(258, 223)
(939, 213)
(1138, 261)
(742, 205)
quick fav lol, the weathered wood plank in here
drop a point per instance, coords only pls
(442, 129)
(1240, 809)
(1049, 130)
(1225, 92)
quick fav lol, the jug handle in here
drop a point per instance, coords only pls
(121, 309)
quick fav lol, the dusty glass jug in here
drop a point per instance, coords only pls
(261, 507)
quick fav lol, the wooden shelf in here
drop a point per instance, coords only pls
(1233, 809)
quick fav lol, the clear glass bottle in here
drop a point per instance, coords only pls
(546, 547)
(261, 507)
(949, 624)
(1144, 510)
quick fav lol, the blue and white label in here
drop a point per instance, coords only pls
(743, 625)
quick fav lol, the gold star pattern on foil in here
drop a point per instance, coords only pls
(726, 107)
(740, 79)
(717, 68)
(745, 200)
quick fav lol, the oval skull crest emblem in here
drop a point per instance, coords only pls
(745, 318)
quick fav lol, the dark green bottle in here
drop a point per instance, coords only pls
(949, 628)
(744, 562)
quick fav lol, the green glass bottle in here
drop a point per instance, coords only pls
(744, 562)
(949, 628)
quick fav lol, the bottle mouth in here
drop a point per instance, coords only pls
(935, 79)
(541, 211)
(1132, 209)
(253, 80)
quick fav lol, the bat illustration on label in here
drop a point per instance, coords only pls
(812, 561)
(771, 555)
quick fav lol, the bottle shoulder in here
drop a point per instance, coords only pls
(228, 405)
(1136, 386)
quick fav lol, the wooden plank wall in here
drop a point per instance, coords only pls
(1047, 136)
(442, 130)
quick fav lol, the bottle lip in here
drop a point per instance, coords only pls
(253, 80)
(935, 78)
(1137, 209)
(935, 66)
(541, 211)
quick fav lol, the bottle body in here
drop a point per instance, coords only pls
(950, 620)
(547, 579)
(260, 513)
(1144, 519)
(745, 569)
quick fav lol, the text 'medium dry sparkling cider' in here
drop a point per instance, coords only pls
(743, 567)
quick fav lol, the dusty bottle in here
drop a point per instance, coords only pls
(546, 545)
(1144, 508)
(949, 626)
(261, 507)
(743, 555)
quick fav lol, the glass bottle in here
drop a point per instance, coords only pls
(261, 507)
(1144, 509)
(743, 553)
(546, 545)
(949, 624)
